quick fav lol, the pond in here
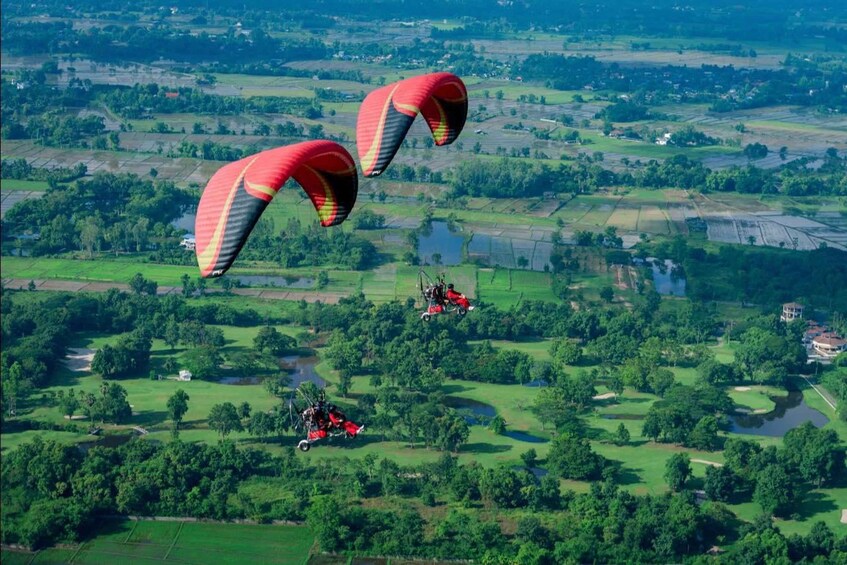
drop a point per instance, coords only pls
(440, 239)
(667, 277)
(622, 416)
(473, 411)
(112, 441)
(276, 281)
(302, 369)
(790, 412)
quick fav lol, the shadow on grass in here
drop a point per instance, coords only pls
(62, 376)
(484, 448)
(597, 434)
(625, 475)
(627, 400)
(105, 528)
(454, 388)
(147, 418)
(814, 503)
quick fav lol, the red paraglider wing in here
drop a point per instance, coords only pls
(387, 114)
(238, 193)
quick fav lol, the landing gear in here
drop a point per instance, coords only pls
(304, 445)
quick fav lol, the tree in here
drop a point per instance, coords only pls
(105, 362)
(529, 458)
(188, 286)
(815, 454)
(452, 431)
(720, 483)
(139, 285)
(204, 361)
(11, 386)
(261, 424)
(177, 407)
(775, 491)
(69, 404)
(497, 425)
(622, 436)
(607, 293)
(345, 353)
(566, 352)
(244, 410)
(112, 406)
(223, 419)
(677, 471)
(704, 436)
(767, 357)
(171, 334)
(571, 457)
(660, 380)
(271, 340)
(324, 517)
(755, 151)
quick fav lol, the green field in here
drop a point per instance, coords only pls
(27, 185)
(129, 541)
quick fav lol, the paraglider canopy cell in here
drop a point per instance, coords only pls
(238, 193)
(387, 114)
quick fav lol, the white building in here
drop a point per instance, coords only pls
(829, 345)
(188, 241)
(791, 311)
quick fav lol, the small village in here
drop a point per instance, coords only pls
(822, 345)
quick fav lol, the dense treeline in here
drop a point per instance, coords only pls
(21, 169)
(311, 245)
(107, 211)
(36, 331)
(407, 362)
(511, 178)
(141, 43)
(758, 20)
(763, 275)
(142, 100)
(51, 493)
(750, 88)
(835, 381)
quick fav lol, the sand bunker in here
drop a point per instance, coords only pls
(603, 396)
(742, 388)
(79, 359)
(710, 463)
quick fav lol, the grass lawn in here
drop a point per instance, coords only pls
(125, 541)
(755, 399)
(27, 185)
(816, 505)
(814, 400)
(148, 398)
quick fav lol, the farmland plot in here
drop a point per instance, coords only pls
(523, 248)
(748, 229)
(723, 230)
(624, 218)
(12, 197)
(773, 234)
(541, 257)
(653, 220)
